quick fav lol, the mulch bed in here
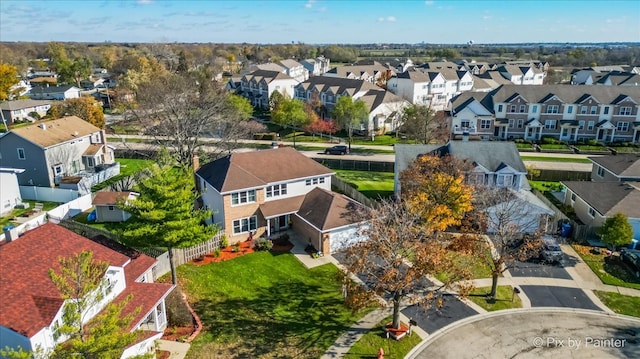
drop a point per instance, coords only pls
(163, 354)
(246, 247)
(177, 334)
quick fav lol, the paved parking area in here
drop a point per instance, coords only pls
(431, 319)
(547, 296)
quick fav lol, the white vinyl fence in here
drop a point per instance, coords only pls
(47, 194)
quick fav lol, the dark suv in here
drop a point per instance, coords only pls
(336, 150)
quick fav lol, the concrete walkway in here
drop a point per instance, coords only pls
(178, 350)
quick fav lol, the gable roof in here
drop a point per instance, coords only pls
(623, 165)
(566, 93)
(327, 210)
(30, 300)
(375, 98)
(109, 198)
(52, 132)
(337, 84)
(256, 169)
(22, 104)
(52, 89)
(289, 63)
(608, 198)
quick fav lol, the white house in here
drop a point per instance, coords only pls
(317, 66)
(54, 93)
(22, 110)
(32, 306)
(10, 190)
(430, 88)
(294, 69)
(258, 86)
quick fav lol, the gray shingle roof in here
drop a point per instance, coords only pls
(608, 198)
(338, 84)
(623, 165)
(328, 210)
(21, 104)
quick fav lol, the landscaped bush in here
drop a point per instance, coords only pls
(548, 140)
(270, 136)
(177, 312)
(224, 242)
(262, 244)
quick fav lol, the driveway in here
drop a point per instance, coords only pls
(549, 296)
(536, 268)
(431, 319)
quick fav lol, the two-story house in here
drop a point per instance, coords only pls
(614, 188)
(563, 112)
(294, 69)
(264, 192)
(259, 85)
(522, 75)
(32, 307)
(52, 150)
(23, 110)
(493, 164)
(384, 107)
(317, 66)
(373, 73)
(54, 93)
(430, 88)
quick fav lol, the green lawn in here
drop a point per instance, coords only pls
(555, 159)
(524, 145)
(551, 146)
(608, 271)
(371, 184)
(46, 206)
(265, 305)
(474, 263)
(128, 167)
(502, 301)
(620, 303)
(368, 345)
(544, 186)
(591, 148)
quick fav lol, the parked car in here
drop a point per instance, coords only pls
(551, 251)
(336, 150)
(632, 259)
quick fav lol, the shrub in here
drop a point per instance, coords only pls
(216, 253)
(224, 242)
(177, 312)
(262, 244)
(547, 140)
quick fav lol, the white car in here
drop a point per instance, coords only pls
(551, 251)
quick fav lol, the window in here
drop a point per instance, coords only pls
(277, 190)
(534, 109)
(522, 108)
(504, 180)
(625, 111)
(112, 208)
(594, 110)
(583, 110)
(314, 181)
(245, 225)
(592, 212)
(511, 122)
(465, 124)
(581, 125)
(552, 108)
(499, 108)
(57, 170)
(521, 122)
(606, 110)
(591, 125)
(573, 197)
(243, 197)
(600, 171)
(512, 108)
(550, 124)
(622, 126)
(21, 154)
(569, 109)
(485, 124)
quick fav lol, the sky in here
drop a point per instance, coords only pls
(321, 21)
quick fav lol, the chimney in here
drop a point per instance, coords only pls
(195, 162)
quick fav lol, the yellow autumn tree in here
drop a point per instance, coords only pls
(434, 188)
(87, 108)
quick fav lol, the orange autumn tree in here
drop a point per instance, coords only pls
(434, 188)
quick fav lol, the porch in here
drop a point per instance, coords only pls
(156, 320)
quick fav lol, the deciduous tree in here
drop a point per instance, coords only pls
(290, 112)
(616, 231)
(420, 124)
(87, 108)
(164, 214)
(349, 114)
(434, 188)
(8, 78)
(80, 280)
(397, 256)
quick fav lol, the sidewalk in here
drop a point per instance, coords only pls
(178, 350)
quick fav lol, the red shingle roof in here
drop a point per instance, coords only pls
(145, 296)
(29, 298)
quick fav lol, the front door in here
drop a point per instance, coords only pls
(282, 222)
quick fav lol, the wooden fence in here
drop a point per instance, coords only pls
(559, 175)
(354, 165)
(184, 255)
(348, 190)
(579, 232)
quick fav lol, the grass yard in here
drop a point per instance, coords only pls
(368, 345)
(371, 184)
(552, 146)
(46, 206)
(590, 148)
(620, 303)
(555, 159)
(265, 305)
(609, 272)
(128, 167)
(474, 263)
(544, 186)
(502, 301)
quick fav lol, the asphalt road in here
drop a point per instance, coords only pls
(550, 296)
(538, 269)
